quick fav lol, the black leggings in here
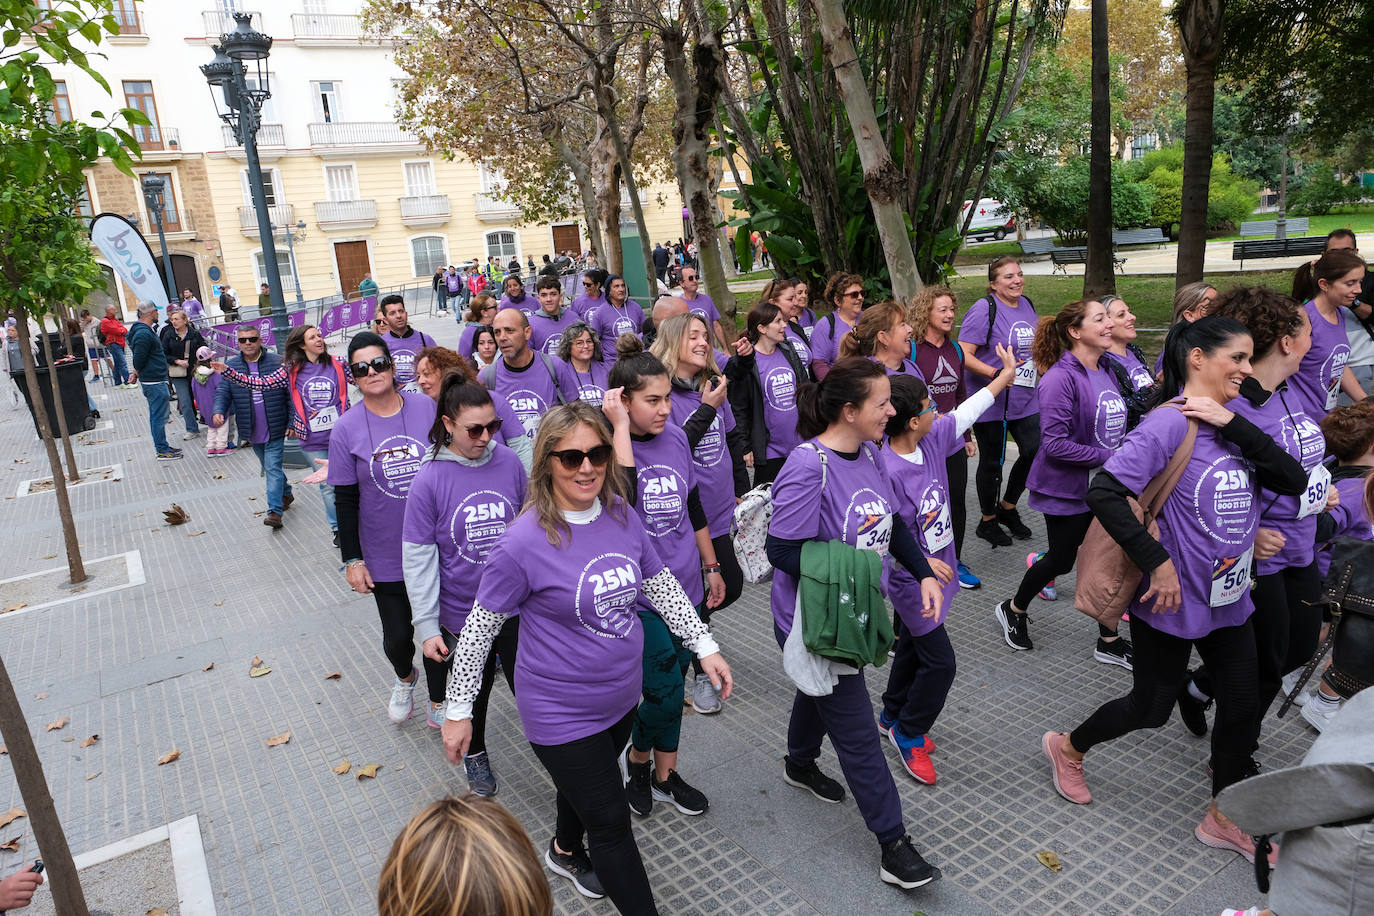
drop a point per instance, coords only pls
(1160, 668)
(1065, 534)
(956, 467)
(591, 800)
(991, 436)
(506, 645)
(398, 638)
(734, 582)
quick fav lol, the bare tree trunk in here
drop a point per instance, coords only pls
(1200, 33)
(586, 187)
(75, 567)
(1098, 279)
(606, 180)
(882, 179)
(68, 899)
(73, 474)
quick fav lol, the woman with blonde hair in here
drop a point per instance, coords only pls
(575, 565)
(884, 336)
(463, 856)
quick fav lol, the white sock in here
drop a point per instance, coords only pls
(1328, 704)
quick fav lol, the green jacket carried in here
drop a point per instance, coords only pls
(839, 596)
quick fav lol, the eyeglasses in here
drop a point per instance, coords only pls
(853, 294)
(394, 454)
(930, 409)
(572, 458)
(475, 431)
(249, 339)
(377, 364)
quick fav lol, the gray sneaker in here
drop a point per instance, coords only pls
(481, 780)
(705, 700)
(402, 702)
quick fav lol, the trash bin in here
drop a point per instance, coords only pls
(71, 383)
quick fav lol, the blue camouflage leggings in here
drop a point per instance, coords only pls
(658, 720)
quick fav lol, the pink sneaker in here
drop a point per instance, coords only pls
(1212, 833)
(1067, 772)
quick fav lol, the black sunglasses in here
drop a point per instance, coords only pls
(475, 431)
(588, 283)
(572, 458)
(377, 364)
(249, 339)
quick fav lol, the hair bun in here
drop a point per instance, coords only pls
(628, 345)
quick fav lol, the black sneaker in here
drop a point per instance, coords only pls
(990, 531)
(1012, 519)
(1192, 710)
(637, 789)
(171, 454)
(577, 868)
(813, 780)
(1015, 629)
(903, 866)
(676, 792)
(1116, 652)
(336, 539)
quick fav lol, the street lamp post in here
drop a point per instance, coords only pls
(241, 108)
(154, 186)
(293, 235)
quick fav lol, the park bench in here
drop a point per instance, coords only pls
(1062, 257)
(1037, 246)
(1276, 248)
(1267, 228)
(1139, 237)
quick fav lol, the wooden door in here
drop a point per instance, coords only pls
(567, 238)
(351, 258)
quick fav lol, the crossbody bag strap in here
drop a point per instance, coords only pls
(1158, 490)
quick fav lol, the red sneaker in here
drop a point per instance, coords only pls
(915, 758)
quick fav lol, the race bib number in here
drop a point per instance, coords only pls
(876, 536)
(1026, 375)
(413, 387)
(1333, 394)
(939, 533)
(1313, 499)
(324, 419)
(1230, 578)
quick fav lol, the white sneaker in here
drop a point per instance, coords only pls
(1320, 710)
(1290, 680)
(189, 436)
(402, 703)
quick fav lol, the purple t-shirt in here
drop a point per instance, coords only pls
(512, 427)
(906, 368)
(467, 340)
(403, 353)
(1299, 435)
(854, 506)
(592, 384)
(1350, 518)
(526, 303)
(666, 474)
(1082, 421)
(533, 389)
(825, 346)
(920, 482)
(381, 455)
(715, 471)
(779, 401)
(1014, 328)
(611, 321)
(453, 283)
(1137, 371)
(463, 510)
(547, 330)
(579, 668)
(1207, 525)
(703, 305)
(1317, 383)
(261, 432)
(318, 386)
(586, 306)
(801, 344)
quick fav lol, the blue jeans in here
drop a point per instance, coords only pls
(269, 456)
(121, 369)
(158, 401)
(326, 491)
(186, 402)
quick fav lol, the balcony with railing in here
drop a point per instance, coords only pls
(346, 214)
(154, 138)
(325, 135)
(326, 26)
(491, 208)
(217, 22)
(280, 215)
(269, 135)
(425, 210)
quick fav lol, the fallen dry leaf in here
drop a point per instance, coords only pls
(68, 740)
(91, 776)
(333, 676)
(10, 845)
(91, 740)
(369, 771)
(208, 667)
(219, 604)
(257, 669)
(195, 534)
(12, 815)
(175, 515)
(1049, 859)
(4, 749)
(40, 696)
(60, 723)
(343, 768)
(157, 911)
(15, 607)
(218, 477)
(169, 757)
(398, 767)
(50, 556)
(278, 740)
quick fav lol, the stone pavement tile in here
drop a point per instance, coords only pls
(1231, 886)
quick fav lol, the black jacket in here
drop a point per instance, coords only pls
(746, 399)
(175, 348)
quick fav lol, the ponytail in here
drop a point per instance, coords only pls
(1209, 334)
(634, 365)
(863, 339)
(1052, 333)
(821, 404)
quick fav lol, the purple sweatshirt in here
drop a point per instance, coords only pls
(1082, 423)
(204, 393)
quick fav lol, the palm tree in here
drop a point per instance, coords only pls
(1199, 26)
(1098, 279)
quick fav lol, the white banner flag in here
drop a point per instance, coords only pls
(128, 253)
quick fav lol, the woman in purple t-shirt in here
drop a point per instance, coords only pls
(883, 335)
(662, 479)
(1196, 587)
(619, 314)
(467, 491)
(375, 450)
(1082, 422)
(835, 488)
(1336, 277)
(1007, 317)
(575, 565)
(580, 348)
(846, 294)
(1126, 362)
(783, 294)
(765, 400)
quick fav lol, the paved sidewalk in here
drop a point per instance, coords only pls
(284, 834)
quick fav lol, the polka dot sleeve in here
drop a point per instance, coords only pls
(672, 604)
(474, 644)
